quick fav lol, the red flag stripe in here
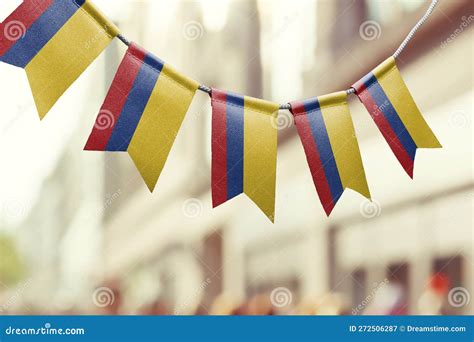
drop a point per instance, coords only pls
(219, 147)
(115, 100)
(313, 157)
(384, 126)
(17, 23)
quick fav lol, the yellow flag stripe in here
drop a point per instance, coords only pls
(342, 137)
(160, 123)
(260, 153)
(397, 92)
(65, 57)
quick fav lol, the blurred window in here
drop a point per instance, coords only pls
(352, 14)
(411, 5)
(389, 11)
(349, 16)
(451, 268)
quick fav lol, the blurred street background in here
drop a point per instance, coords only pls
(81, 234)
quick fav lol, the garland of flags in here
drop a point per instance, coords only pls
(56, 40)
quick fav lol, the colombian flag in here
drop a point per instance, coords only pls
(244, 149)
(143, 112)
(389, 102)
(326, 130)
(54, 41)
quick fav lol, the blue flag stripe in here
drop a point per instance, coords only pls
(135, 105)
(235, 145)
(41, 32)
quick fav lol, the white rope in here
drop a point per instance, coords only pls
(410, 35)
(350, 91)
(414, 29)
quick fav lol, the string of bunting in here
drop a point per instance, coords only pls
(56, 40)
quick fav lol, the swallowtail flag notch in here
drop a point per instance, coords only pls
(143, 112)
(327, 133)
(388, 100)
(244, 149)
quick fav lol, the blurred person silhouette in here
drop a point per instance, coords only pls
(156, 308)
(390, 299)
(329, 305)
(224, 305)
(433, 300)
(261, 305)
(306, 307)
(241, 310)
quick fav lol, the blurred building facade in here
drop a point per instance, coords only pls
(169, 252)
